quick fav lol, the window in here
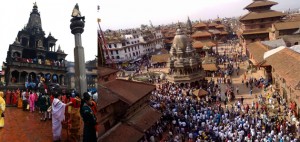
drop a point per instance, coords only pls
(117, 52)
(109, 45)
(118, 57)
(132, 42)
(127, 42)
(125, 50)
(112, 57)
(129, 49)
(123, 44)
(115, 45)
(112, 52)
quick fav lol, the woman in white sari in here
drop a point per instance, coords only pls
(58, 115)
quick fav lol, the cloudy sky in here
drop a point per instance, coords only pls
(55, 16)
(133, 13)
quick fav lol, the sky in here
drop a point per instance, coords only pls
(114, 14)
(55, 17)
(132, 13)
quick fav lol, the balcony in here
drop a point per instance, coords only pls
(38, 66)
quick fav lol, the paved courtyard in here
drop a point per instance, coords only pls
(23, 126)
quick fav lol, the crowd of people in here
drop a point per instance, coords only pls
(57, 105)
(187, 117)
(40, 61)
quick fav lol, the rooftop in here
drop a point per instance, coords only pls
(260, 4)
(201, 34)
(145, 118)
(287, 25)
(257, 50)
(104, 71)
(261, 15)
(286, 64)
(121, 131)
(129, 91)
(161, 58)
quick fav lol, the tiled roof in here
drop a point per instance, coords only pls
(286, 64)
(200, 93)
(262, 14)
(256, 31)
(104, 71)
(122, 132)
(257, 50)
(144, 118)
(212, 24)
(209, 67)
(201, 34)
(106, 98)
(260, 4)
(197, 44)
(220, 26)
(200, 25)
(214, 31)
(287, 25)
(209, 43)
(161, 58)
(274, 43)
(224, 33)
(129, 91)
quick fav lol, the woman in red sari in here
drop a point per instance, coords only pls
(14, 98)
(12, 101)
(8, 97)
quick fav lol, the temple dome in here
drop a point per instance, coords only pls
(180, 40)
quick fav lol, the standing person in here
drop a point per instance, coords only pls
(2, 109)
(8, 97)
(24, 99)
(44, 103)
(20, 101)
(89, 119)
(58, 115)
(32, 98)
(14, 96)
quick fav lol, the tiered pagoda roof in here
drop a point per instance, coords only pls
(260, 3)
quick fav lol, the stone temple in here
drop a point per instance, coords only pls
(184, 63)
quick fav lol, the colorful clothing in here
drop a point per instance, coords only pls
(32, 99)
(2, 109)
(14, 96)
(58, 115)
(8, 97)
(20, 101)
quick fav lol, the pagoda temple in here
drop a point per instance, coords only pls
(256, 23)
(33, 57)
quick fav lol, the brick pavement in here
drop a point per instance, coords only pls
(23, 126)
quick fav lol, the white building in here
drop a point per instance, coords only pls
(130, 45)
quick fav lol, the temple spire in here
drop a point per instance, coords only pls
(34, 22)
(189, 26)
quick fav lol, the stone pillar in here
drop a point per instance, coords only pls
(77, 25)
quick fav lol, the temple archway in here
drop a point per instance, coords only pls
(62, 80)
(14, 76)
(47, 77)
(55, 78)
(24, 74)
(32, 77)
